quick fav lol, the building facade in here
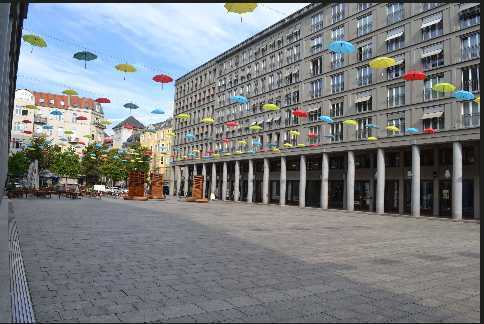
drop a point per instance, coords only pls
(308, 162)
(126, 131)
(77, 123)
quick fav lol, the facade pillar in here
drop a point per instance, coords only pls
(250, 182)
(302, 181)
(178, 179)
(172, 181)
(415, 200)
(213, 180)
(457, 181)
(236, 181)
(195, 172)
(380, 185)
(265, 182)
(282, 184)
(204, 174)
(224, 181)
(372, 184)
(185, 182)
(324, 181)
(350, 182)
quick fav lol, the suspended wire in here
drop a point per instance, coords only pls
(285, 14)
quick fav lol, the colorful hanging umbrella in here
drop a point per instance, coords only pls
(130, 106)
(89, 136)
(313, 145)
(382, 62)
(350, 122)
(301, 145)
(70, 92)
(429, 130)
(342, 47)
(287, 145)
(242, 142)
(157, 111)
(34, 40)
(478, 100)
(270, 106)
(56, 113)
(105, 122)
(228, 154)
(414, 75)
(208, 120)
(271, 145)
(170, 133)
(294, 133)
(240, 8)
(372, 138)
(443, 87)
(239, 99)
(463, 95)
(412, 130)
(47, 127)
(226, 140)
(275, 150)
(126, 68)
(85, 56)
(255, 128)
(162, 78)
(238, 152)
(68, 132)
(232, 124)
(392, 128)
(183, 116)
(34, 107)
(372, 126)
(312, 135)
(81, 118)
(256, 142)
(189, 136)
(26, 121)
(216, 155)
(326, 119)
(300, 113)
(102, 100)
(63, 139)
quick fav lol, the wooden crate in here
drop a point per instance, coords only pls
(136, 184)
(197, 187)
(157, 186)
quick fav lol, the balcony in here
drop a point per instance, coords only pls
(337, 64)
(469, 53)
(365, 29)
(396, 16)
(40, 120)
(471, 120)
(471, 85)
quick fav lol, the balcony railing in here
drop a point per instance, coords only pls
(470, 52)
(365, 29)
(470, 85)
(40, 120)
(469, 120)
(430, 94)
(337, 64)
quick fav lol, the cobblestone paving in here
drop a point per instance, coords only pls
(170, 261)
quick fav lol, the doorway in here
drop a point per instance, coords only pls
(445, 198)
(335, 194)
(362, 195)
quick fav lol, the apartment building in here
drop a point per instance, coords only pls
(126, 132)
(317, 164)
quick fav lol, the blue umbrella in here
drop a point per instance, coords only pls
(256, 143)
(251, 151)
(177, 149)
(272, 145)
(189, 136)
(47, 127)
(158, 112)
(191, 154)
(63, 139)
(372, 126)
(326, 119)
(463, 95)
(412, 130)
(56, 113)
(130, 106)
(342, 47)
(239, 99)
(97, 145)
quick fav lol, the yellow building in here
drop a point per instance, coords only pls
(156, 138)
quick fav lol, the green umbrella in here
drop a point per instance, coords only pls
(85, 56)
(70, 92)
(34, 40)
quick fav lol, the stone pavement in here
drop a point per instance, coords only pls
(127, 261)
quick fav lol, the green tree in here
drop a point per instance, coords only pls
(112, 166)
(90, 163)
(18, 165)
(42, 151)
(66, 164)
(138, 159)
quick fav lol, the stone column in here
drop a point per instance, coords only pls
(265, 182)
(415, 181)
(178, 179)
(302, 181)
(380, 185)
(457, 181)
(224, 181)
(236, 181)
(185, 182)
(213, 180)
(250, 182)
(324, 181)
(172, 182)
(204, 174)
(282, 184)
(372, 183)
(195, 172)
(350, 182)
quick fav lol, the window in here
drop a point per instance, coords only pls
(396, 95)
(337, 33)
(363, 6)
(395, 39)
(363, 102)
(336, 109)
(337, 60)
(316, 44)
(317, 22)
(398, 70)
(397, 120)
(18, 110)
(362, 131)
(316, 66)
(392, 159)
(363, 75)
(314, 135)
(337, 131)
(314, 115)
(365, 52)
(432, 26)
(433, 120)
(18, 127)
(394, 12)
(470, 78)
(433, 56)
(337, 12)
(364, 25)
(470, 46)
(337, 82)
(428, 92)
(470, 114)
(469, 17)
(316, 88)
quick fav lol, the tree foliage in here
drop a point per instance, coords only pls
(66, 164)
(42, 151)
(18, 165)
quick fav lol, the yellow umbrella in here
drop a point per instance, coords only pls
(255, 128)
(392, 128)
(242, 142)
(478, 100)
(372, 138)
(443, 87)
(270, 106)
(171, 133)
(126, 68)
(208, 120)
(294, 133)
(301, 145)
(216, 155)
(240, 7)
(382, 62)
(238, 152)
(31, 107)
(288, 145)
(350, 122)
(227, 154)
(183, 116)
(70, 92)
(275, 149)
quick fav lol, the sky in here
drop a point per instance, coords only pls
(168, 38)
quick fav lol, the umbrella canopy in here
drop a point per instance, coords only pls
(372, 138)
(26, 121)
(56, 113)
(350, 122)
(228, 154)
(392, 128)
(171, 133)
(34, 40)
(63, 139)
(189, 136)
(232, 124)
(414, 75)
(294, 133)
(313, 145)
(105, 122)
(216, 155)
(208, 120)
(47, 127)
(130, 106)
(301, 145)
(68, 132)
(429, 130)
(372, 126)
(85, 56)
(31, 107)
(287, 145)
(97, 145)
(463, 95)
(256, 142)
(226, 140)
(157, 111)
(239, 99)
(242, 142)
(102, 100)
(88, 136)
(126, 68)
(270, 106)
(412, 130)
(240, 8)
(81, 118)
(342, 47)
(382, 62)
(70, 92)
(312, 135)
(255, 128)
(183, 116)
(162, 78)
(300, 113)
(478, 100)
(326, 119)
(443, 87)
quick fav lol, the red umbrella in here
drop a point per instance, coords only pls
(429, 130)
(26, 121)
(310, 134)
(313, 145)
(300, 113)
(209, 152)
(27, 132)
(232, 123)
(81, 142)
(226, 140)
(162, 78)
(414, 75)
(102, 100)
(81, 118)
